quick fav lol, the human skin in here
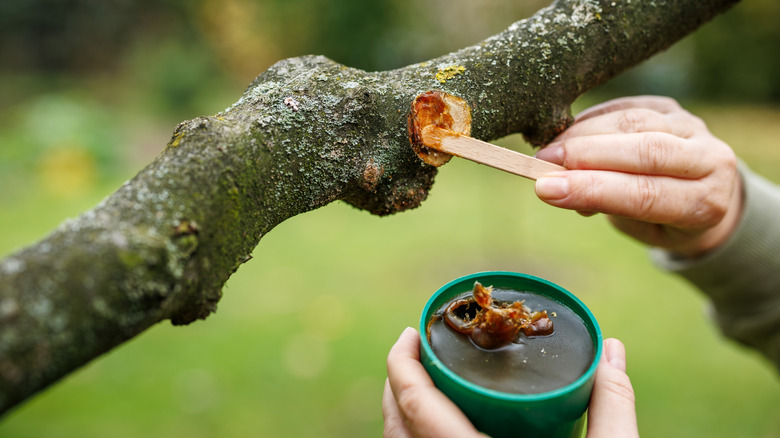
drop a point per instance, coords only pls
(413, 407)
(653, 168)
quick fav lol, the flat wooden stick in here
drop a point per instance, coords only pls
(488, 154)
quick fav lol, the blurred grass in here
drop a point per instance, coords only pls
(297, 347)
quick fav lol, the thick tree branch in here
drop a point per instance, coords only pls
(305, 133)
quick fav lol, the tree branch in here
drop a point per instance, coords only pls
(306, 132)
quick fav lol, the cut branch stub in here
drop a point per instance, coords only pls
(436, 109)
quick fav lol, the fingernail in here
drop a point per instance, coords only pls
(552, 187)
(408, 332)
(553, 153)
(615, 353)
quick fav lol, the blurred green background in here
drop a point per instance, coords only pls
(90, 91)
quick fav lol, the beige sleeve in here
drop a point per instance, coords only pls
(742, 277)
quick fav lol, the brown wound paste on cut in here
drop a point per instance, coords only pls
(436, 109)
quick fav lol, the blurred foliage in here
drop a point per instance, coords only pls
(734, 58)
(737, 57)
(236, 39)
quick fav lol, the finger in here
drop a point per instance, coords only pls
(632, 120)
(654, 235)
(612, 409)
(394, 423)
(688, 242)
(426, 411)
(655, 199)
(653, 153)
(403, 363)
(660, 104)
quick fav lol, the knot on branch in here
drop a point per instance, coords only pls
(403, 191)
(549, 127)
(371, 175)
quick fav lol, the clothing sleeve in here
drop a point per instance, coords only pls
(742, 276)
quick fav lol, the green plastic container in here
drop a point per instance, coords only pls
(557, 413)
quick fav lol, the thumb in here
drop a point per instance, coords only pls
(612, 410)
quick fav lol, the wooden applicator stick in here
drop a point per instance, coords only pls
(485, 153)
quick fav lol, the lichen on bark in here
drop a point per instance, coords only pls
(306, 132)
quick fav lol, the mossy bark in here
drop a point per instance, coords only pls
(306, 132)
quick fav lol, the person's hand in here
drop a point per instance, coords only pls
(411, 404)
(413, 407)
(612, 408)
(653, 167)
